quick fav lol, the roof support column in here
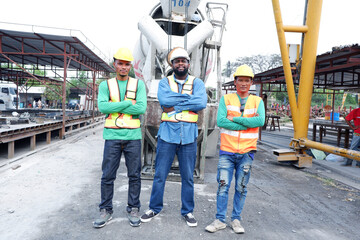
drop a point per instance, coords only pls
(62, 133)
(93, 96)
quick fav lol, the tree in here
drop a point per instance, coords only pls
(80, 81)
(259, 63)
(53, 97)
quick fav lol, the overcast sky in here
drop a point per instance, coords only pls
(250, 26)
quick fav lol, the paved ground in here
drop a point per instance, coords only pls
(347, 175)
(53, 194)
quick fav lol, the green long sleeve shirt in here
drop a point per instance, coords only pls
(126, 107)
(240, 123)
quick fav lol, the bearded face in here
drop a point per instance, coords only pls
(181, 72)
(180, 66)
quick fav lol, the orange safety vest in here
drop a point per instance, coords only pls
(121, 120)
(184, 116)
(241, 141)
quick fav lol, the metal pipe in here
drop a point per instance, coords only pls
(331, 149)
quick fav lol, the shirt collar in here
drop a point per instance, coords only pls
(179, 81)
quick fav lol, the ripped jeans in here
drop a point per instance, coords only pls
(241, 163)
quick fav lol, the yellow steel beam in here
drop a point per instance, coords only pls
(308, 66)
(286, 61)
(300, 109)
(330, 149)
(299, 29)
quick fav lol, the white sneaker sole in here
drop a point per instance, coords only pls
(215, 230)
(191, 224)
(147, 220)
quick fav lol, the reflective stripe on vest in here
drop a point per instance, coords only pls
(120, 120)
(184, 116)
(245, 140)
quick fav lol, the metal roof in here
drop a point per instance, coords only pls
(49, 50)
(18, 76)
(336, 70)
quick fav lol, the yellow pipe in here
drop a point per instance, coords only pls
(330, 149)
(299, 29)
(286, 62)
(308, 67)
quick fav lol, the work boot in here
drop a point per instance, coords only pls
(236, 226)
(133, 217)
(104, 218)
(215, 226)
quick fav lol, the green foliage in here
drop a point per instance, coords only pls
(259, 63)
(81, 81)
(50, 94)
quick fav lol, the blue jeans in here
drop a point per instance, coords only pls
(241, 163)
(355, 142)
(165, 153)
(111, 162)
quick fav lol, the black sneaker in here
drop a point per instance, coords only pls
(190, 220)
(105, 217)
(148, 215)
(134, 218)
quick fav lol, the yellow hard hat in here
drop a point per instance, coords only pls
(244, 70)
(124, 54)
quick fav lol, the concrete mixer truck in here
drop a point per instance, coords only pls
(170, 24)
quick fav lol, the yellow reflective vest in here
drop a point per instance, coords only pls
(242, 141)
(121, 120)
(184, 116)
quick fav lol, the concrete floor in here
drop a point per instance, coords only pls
(54, 192)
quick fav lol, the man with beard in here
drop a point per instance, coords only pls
(181, 96)
(122, 99)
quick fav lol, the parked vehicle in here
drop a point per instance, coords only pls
(8, 94)
(74, 104)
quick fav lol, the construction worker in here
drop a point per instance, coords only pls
(122, 99)
(181, 96)
(355, 142)
(239, 117)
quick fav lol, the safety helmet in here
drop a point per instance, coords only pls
(245, 71)
(177, 52)
(124, 54)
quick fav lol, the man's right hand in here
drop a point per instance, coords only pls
(167, 110)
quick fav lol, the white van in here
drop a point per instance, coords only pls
(8, 95)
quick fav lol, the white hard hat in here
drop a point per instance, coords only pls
(178, 52)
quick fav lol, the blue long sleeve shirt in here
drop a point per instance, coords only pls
(181, 132)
